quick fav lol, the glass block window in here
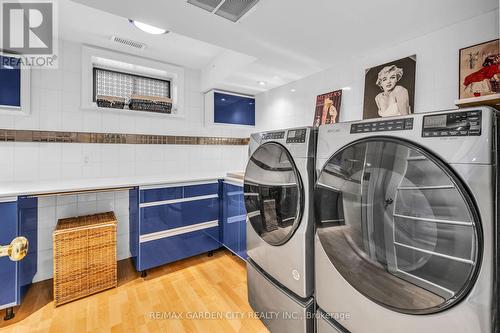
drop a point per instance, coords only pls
(118, 84)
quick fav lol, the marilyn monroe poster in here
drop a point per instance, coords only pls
(390, 89)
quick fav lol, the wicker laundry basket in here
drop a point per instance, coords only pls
(84, 256)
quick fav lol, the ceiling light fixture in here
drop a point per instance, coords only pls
(293, 90)
(148, 28)
(262, 83)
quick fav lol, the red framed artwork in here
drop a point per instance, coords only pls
(479, 70)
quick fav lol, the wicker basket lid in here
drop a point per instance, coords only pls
(86, 221)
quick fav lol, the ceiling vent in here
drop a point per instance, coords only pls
(128, 42)
(232, 10)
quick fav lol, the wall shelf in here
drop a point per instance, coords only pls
(488, 100)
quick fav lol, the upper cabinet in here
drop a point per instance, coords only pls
(223, 108)
(14, 85)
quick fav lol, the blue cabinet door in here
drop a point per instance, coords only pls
(176, 215)
(233, 109)
(10, 81)
(28, 227)
(234, 219)
(230, 217)
(169, 249)
(8, 268)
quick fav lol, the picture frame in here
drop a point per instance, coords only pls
(327, 108)
(390, 89)
(479, 69)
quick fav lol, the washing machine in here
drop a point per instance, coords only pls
(278, 190)
(406, 236)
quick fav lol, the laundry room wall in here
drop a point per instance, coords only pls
(55, 106)
(436, 77)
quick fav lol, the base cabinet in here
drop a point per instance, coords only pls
(19, 218)
(170, 223)
(234, 219)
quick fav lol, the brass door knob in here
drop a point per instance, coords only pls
(17, 249)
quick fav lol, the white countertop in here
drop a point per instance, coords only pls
(13, 189)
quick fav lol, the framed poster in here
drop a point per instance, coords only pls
(390, 89)
(327, 108)
(479, 70)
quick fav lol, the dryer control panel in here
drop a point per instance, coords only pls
(383, 126)
(296, 136)
(465, 123)
(273, 135)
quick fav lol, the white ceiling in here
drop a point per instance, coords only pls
(88, 25)
(279, 42)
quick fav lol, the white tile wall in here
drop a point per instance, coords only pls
(436, 78)
(56, 106)
(50, 209)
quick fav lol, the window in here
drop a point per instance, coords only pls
(113, 73)
(119, 84)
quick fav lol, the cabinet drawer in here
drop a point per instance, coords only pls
(160, 194)
(165, 250)
(175, 215)
(201, 189)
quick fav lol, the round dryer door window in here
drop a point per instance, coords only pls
(398, 225)
(273, 193)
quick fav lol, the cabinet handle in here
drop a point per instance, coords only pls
(16, 250)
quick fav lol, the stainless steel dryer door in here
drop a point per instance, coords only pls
(398, 225)
(273, 193)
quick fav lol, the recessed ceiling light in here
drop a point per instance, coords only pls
(148, 28)
(262, 83)
(293, 90)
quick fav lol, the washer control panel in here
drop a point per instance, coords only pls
(296, 136)
(383, 126)
(464, 123)
(273, 135)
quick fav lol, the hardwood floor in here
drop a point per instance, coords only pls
(199, 294)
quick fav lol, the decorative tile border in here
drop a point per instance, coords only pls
(114, 138)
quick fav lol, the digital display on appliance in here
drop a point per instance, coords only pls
(435, 121)
(291, 134)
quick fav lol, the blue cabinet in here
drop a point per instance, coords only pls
(10, 81)
(18, 218)
(234, 219)
(169, 223)
(234, 109)
(8, 268)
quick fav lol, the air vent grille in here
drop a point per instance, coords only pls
(128, 42)
(232, 10)
(209, 5)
